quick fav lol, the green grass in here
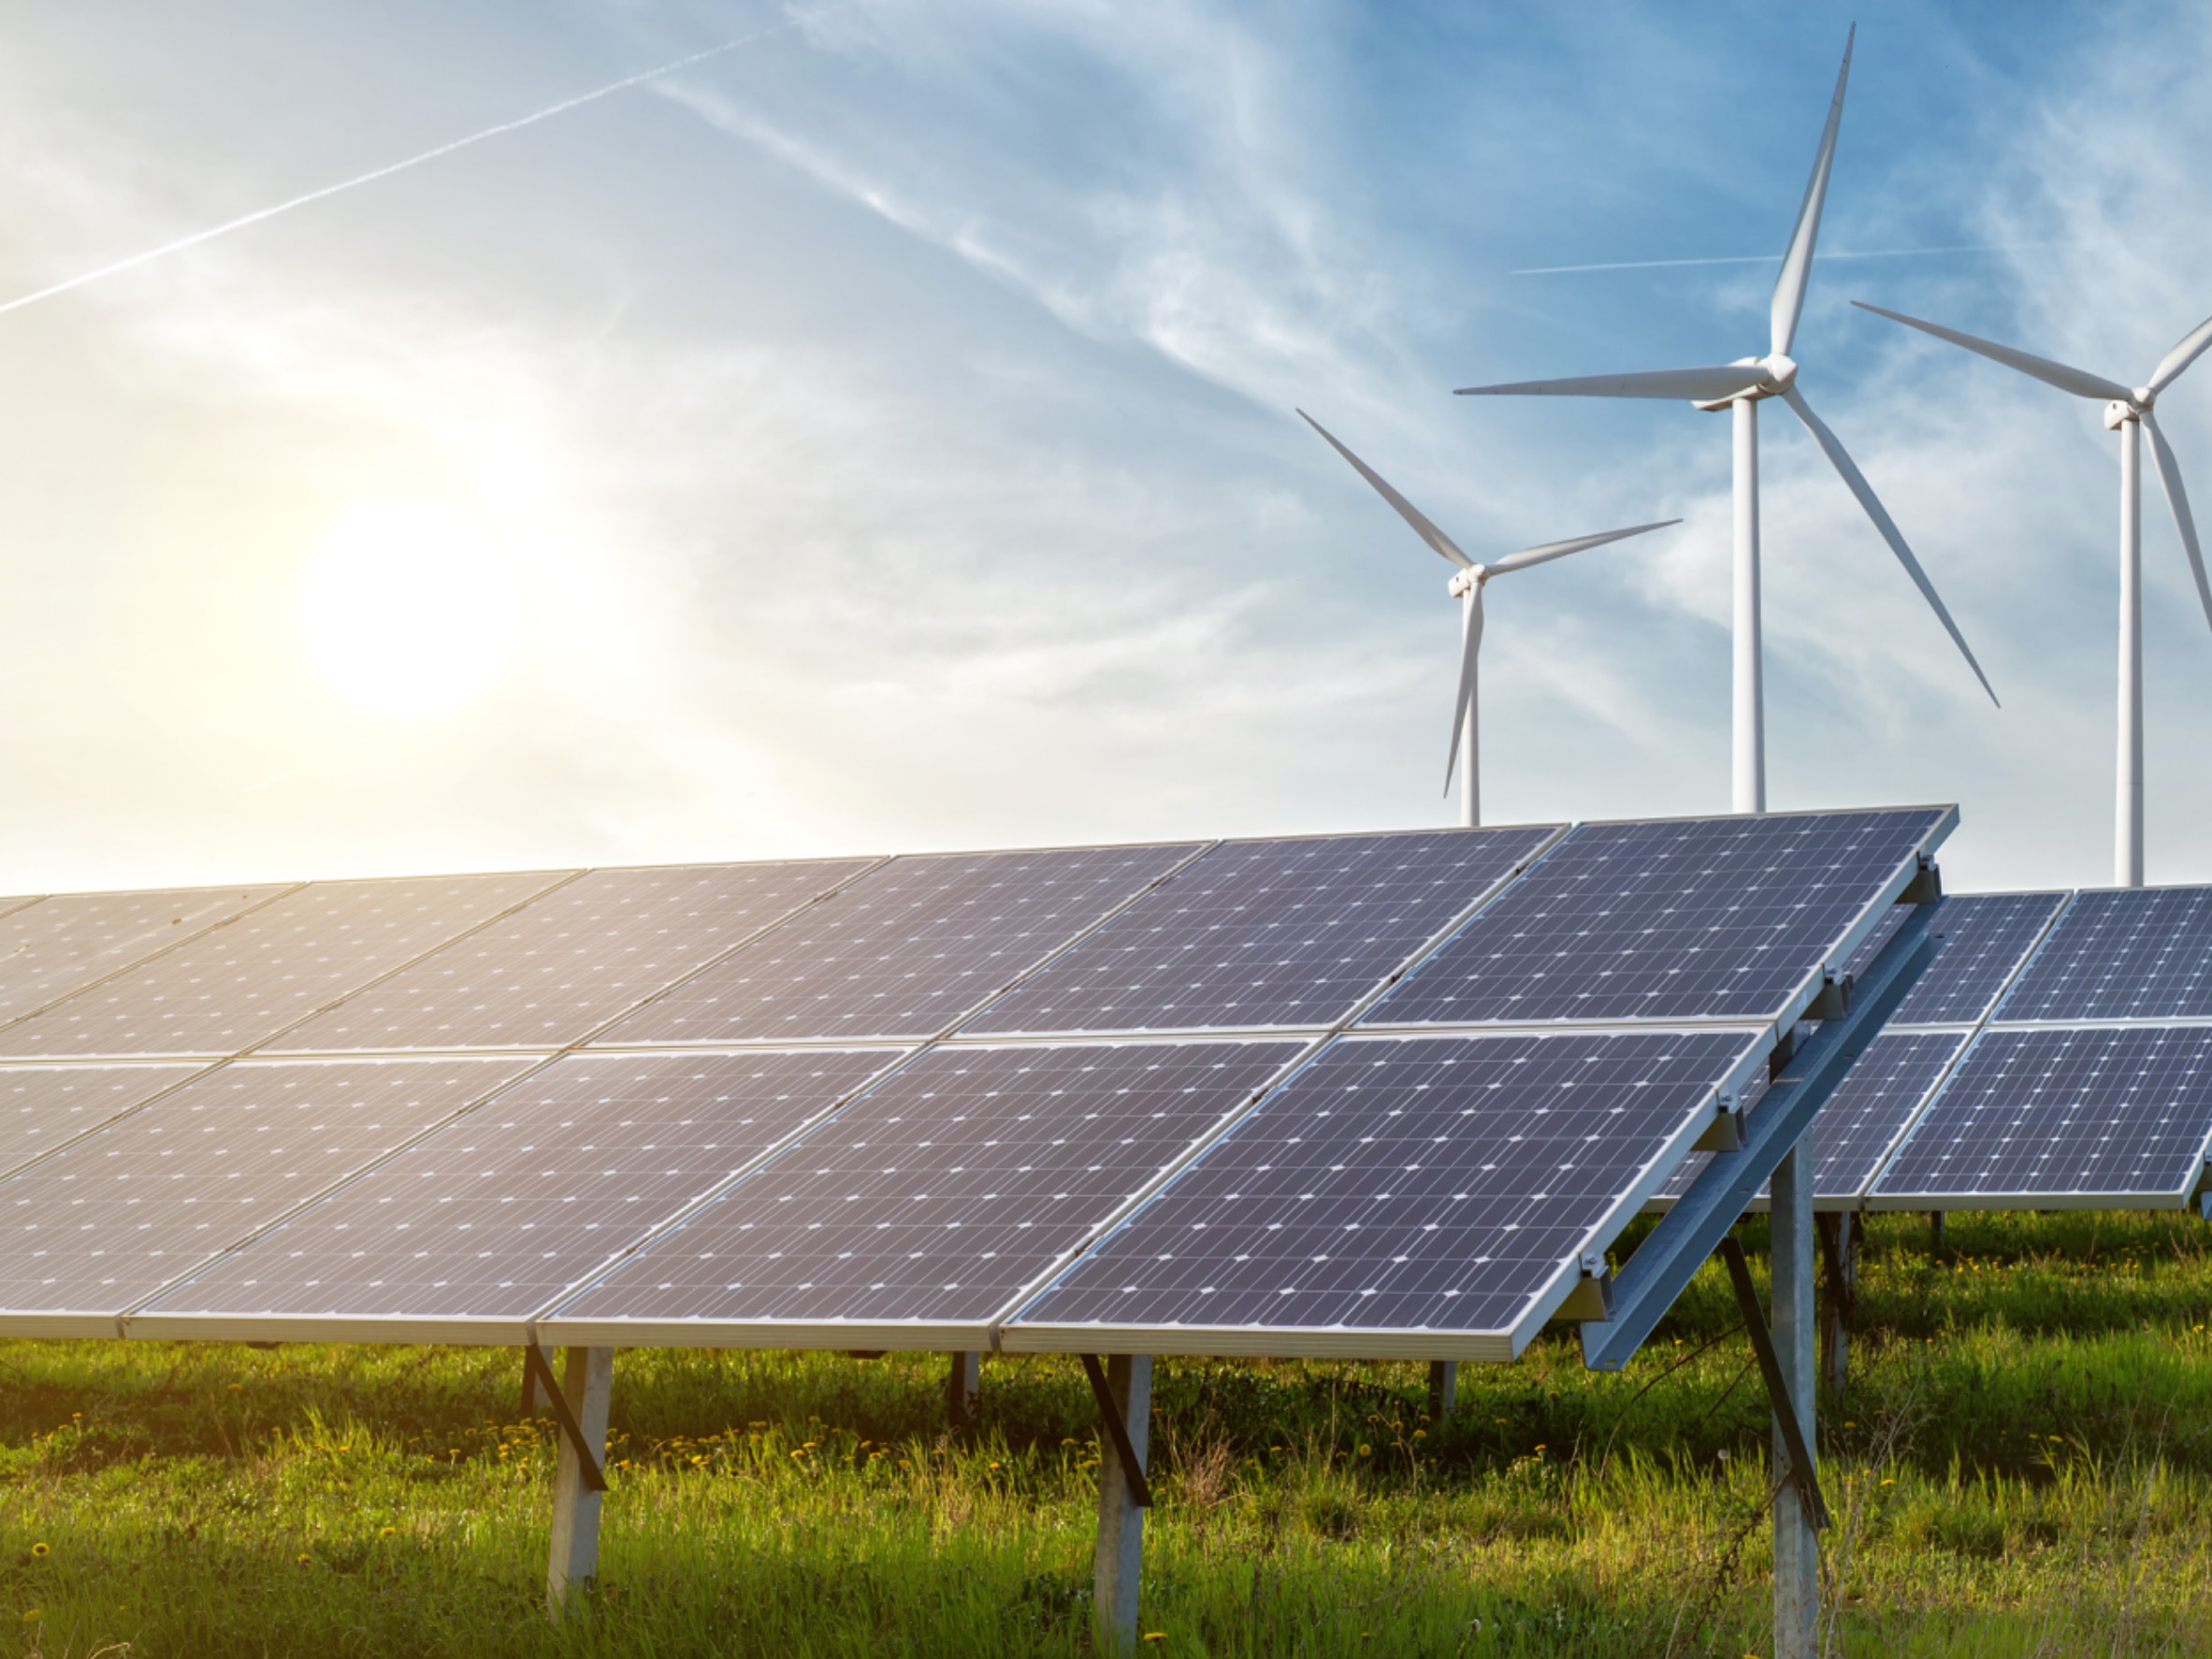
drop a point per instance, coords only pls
(2023, 1465)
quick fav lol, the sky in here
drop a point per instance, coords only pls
(879, 436)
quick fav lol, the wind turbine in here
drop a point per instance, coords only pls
(2127, 412)
(1466, 586)
(1741, 386)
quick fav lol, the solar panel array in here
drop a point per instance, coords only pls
(2085, 1086)
(930, 1102)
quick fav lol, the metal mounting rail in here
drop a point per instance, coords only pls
(1672, 1253)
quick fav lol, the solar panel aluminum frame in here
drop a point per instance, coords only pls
(81, 1324)
(1015, 1336)
(917, 1336)
(1336, 1022)
(1793, 1009)
(467, 1331)
(941, 1033)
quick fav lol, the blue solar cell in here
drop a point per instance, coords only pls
(494, 1215)
(939, 1193)
(905, 951)
(2143, 952)
(1860, 1122)
(1437, 1185)
(1713, 918)
(2109, 1116)
(1986, 937)
(1266, 935)
(109, 1218)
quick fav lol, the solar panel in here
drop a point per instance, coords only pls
(1399, 1196)
(1715, 919)
(491, 1216)
(1986, 936)
(905, 951)
(61, 945)
(243, 981)
(2109, 1118)
(1266, 935)
(41, 1107)
(2142, 953)
(928, 1202)
(565, 964)
(1853, 1131)
(111, 1217)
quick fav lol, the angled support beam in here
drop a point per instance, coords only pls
(1672, 1253)
(1789, 1424)
(1116, 1413)
(1124, 1391)
(537, 1372)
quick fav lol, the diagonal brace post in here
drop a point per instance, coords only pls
(1801, 1473)
(536, 1370)
(1133, 1467)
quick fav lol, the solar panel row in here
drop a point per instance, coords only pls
(678, 1193)
(2040, 1062)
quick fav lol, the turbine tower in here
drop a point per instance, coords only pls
(1466, 586)
(2127, 412)
(1741, 386)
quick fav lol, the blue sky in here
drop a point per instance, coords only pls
(879, 436)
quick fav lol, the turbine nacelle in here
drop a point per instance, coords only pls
(1777, 373)
(1469, 581)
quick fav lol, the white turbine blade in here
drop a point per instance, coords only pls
(1552, 550)
(2177, 499)
(1797, 264)
(1694, 385)
(1468, 652)
(1856, 481)
(1407, 511)
(2170, 366)
(2077, 381)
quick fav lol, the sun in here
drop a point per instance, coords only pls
(409, 607)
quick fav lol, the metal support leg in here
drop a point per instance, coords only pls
(1796, 1554)
(1840, 1236)
(1935, 1233)
(576, 1482)
(1127, 1385)
(529, 1386)
(1443, 1389)
(963, 1390)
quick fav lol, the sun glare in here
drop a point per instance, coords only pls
(408, 609)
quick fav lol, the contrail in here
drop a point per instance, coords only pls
(413, 161)
(1653, 264)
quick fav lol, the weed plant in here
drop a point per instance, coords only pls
(2021, 1466)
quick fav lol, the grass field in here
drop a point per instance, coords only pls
(2023, 1465)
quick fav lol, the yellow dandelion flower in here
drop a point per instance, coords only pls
(40, 1550)
(307, 1561)
(386, 1532)
(1364, 1449)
